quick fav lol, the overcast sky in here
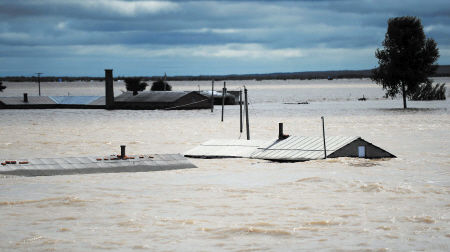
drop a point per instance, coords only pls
(84, 37)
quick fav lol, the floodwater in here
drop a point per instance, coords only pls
(343, 204)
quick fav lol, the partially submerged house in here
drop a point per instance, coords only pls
(143, 100)
(293, 148)
(162, 100)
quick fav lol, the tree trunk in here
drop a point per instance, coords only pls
(404, 95)
(135, 93)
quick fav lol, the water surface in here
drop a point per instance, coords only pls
(344, 204)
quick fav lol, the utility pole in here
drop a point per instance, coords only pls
(240, 109)
(247, 124)
(224, 92)
(39, 82)
(324, 144)
(212, 96)
(164, 81)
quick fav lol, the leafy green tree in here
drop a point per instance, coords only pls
(407, 59)
(1, 86)
(161, 85)
(134, 84)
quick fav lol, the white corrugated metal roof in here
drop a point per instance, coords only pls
(82, 100)
(293, 148)
(228, 148)
(80, 165)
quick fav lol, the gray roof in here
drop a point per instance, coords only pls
(152, 96)
(226, 148)
(82, 165)
(48, 100)
(82, 100)
(293, 148)
(32, 100)
(99, 101)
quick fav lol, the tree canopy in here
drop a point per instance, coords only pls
(161, 85)
(407, 59)
(134, 84)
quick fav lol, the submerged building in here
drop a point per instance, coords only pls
(290, 149)
(145, 100)
(162, 100)
(52, 102)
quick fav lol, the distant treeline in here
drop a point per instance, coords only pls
(443, 71)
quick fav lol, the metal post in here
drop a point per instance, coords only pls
(39, 82)
(109, 89)
(246, 114)
(240, 109)
(212, 96)
(164, 81)
(404, 96)
(25, 97)
(224, 91)
(324, 145)
(280, 131)
(122, 151)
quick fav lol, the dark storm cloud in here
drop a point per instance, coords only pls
(296, 31)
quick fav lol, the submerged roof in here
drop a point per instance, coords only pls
(293, 148)
(99, 101)
(84, 165)
(301, 148)
(229, 148)
(82, 100)
(32, 100)
(152, 96)
(48, 100)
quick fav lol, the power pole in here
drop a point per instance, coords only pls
(212, 96)
(247, 124)
(164, 81)
(324, 144)
(39, 82)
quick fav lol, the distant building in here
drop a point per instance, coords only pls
(162, 100)
(143, 100)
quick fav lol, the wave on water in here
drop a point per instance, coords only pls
(323, 223)
(402, 188)
(419, 219)
(260, 228)
(310, 179)
(57, 201)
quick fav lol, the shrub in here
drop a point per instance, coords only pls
(427, 92)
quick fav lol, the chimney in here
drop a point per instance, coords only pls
(280, 131)
(109, 89)
(25, 97)
(281, 135)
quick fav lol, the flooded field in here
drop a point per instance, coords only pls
(400, 204)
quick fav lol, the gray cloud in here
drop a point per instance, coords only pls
(292, 32)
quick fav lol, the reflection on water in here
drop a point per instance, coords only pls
(233, 204)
